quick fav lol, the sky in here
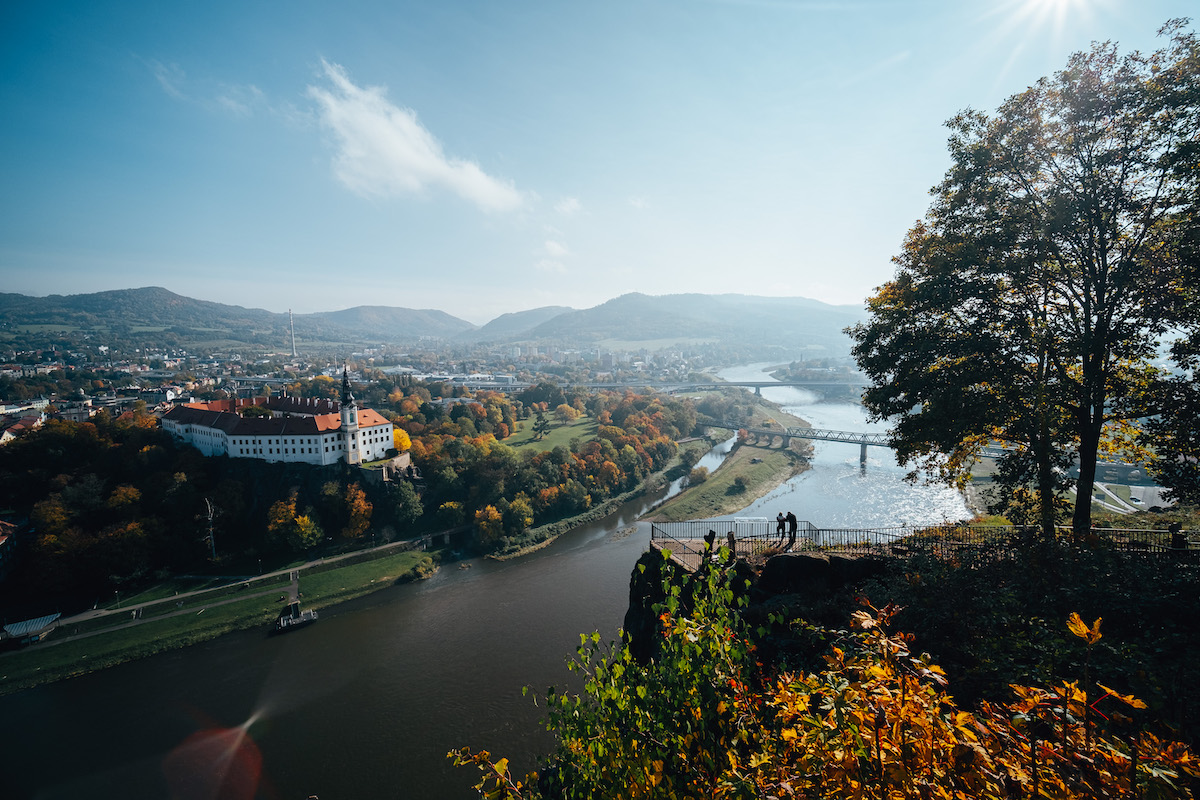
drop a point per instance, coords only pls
(488, 157)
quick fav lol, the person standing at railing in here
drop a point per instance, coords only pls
(779, 523)
(792, 524)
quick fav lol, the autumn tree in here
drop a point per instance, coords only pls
(358, 512)
(1030, 301)
(708, 716)
(298, 530)
(565, 413)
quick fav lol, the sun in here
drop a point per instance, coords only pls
(1056, 12)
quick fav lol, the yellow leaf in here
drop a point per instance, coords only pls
(1127, 699)
(1078, 627)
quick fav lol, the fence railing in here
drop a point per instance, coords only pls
(751, 536)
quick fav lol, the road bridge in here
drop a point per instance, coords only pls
(863, 439)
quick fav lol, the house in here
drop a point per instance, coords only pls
(304, 430)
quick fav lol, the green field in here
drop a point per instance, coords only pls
(583, 429)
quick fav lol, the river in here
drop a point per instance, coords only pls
(836, 492)
(367, 703)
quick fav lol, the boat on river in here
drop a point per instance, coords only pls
(293, 617)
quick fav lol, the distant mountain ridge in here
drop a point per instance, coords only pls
(156, 315)
(788, 322)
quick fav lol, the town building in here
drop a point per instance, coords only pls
(300, 429)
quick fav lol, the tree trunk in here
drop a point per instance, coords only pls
(1089, 442)
(1046, 479)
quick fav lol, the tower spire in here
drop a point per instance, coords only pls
(347, 395)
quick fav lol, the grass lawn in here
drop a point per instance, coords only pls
(325, 588)
(583, 429)
(201, 620)
(36, 664)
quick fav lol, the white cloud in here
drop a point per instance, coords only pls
(241, 100)
(169, 76)
(383, 150)
(640, 203)
(556, 249)
(568, 206)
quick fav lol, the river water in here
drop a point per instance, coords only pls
(836, 492)
(367, 703)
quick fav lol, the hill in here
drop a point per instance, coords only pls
(390, 323)
(154, 317)
(516, 325)
(786, 322)
(125, 319)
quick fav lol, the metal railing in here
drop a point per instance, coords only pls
(758, 536)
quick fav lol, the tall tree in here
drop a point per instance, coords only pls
(1172, 431)
(1029, 303)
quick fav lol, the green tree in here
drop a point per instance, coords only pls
(1029, 303)
(541, 426)
(1172, 432)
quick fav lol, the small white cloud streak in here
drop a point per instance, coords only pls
(241, 100)
(169, 76)
(556, 250)
(383, 150)
(568, 206)
(640, 203)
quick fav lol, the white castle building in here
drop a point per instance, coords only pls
(300, 429)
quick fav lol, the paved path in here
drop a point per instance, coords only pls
(134, 611)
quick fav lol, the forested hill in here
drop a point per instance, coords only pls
(788, 322)
(156, 317)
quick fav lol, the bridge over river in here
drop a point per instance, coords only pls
(863, 439)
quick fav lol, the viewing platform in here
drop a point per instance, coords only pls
(751, 538)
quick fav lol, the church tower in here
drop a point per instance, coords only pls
(349, 421)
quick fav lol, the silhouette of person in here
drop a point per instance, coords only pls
(793, 524)
(779, 523)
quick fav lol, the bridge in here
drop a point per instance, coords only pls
(864, 440)
(851, 387)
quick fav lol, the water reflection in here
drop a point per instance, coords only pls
(835, 492)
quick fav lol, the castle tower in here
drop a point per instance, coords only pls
(350, 421)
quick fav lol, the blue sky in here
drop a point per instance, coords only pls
(484, 157)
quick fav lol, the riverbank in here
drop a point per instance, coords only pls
(100, 639)
(91, 642)
(759, 469)
(748, 473)
(545, 535)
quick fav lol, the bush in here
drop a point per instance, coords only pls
(706, 718)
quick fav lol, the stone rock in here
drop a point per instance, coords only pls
(795, 572)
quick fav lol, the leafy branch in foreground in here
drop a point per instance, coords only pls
(706, 718)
